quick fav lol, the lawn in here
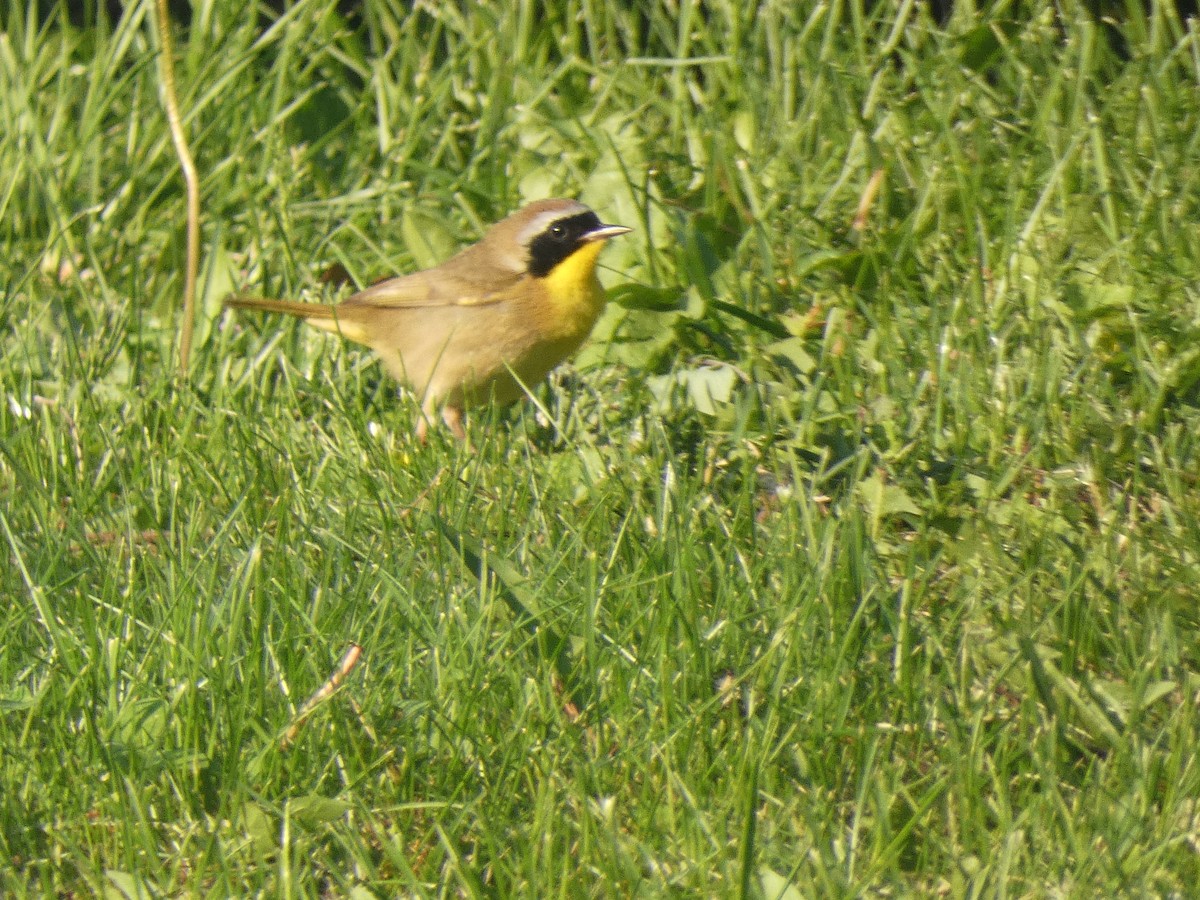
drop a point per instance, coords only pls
(857, 554)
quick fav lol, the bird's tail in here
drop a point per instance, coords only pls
(290, 307)
(316, 314)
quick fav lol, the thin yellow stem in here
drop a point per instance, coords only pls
(191, 181)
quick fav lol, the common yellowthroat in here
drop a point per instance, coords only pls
(502, 313)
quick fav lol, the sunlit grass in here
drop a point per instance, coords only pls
(856, 555)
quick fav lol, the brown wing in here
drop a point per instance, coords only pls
(468, 279)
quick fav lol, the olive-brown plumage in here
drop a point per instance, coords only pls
(499, 315)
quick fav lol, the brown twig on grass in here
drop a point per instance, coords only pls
(345, 667)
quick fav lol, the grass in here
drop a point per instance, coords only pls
(852, 557)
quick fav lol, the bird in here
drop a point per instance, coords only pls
(486, 324)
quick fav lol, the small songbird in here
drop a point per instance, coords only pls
(499, 315)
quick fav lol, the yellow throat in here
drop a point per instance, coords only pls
(574, 291)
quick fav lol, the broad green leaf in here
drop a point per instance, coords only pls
(125, 886)
(776, 886)
(793, 350)
(427, 237)
(313, 810)
(883, 499)
(706, 386)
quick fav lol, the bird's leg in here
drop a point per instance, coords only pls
(428, 408)
(452, 416)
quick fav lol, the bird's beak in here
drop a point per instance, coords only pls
(604, 232)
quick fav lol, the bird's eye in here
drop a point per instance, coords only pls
(558, 231)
